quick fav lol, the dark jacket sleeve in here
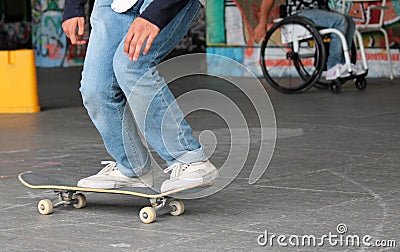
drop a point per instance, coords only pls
(74, 8)
(161, 12)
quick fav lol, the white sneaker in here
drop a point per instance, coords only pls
(338, 71)
(183, 175)
(357, 70)
(110, 177)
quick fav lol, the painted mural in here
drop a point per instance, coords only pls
(230, 24)
(48, 39)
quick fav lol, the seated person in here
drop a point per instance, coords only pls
(318, 12)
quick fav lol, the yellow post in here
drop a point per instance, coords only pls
(18, 84)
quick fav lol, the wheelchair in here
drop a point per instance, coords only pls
(294, 53)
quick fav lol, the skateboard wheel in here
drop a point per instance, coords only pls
(177, 207)
(147, 215)
(81, 200)
(45, 207)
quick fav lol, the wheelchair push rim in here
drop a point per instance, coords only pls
(292, 55)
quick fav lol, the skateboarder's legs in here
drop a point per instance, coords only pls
(109, 77)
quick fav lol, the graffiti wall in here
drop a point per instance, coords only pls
(230, 24)
(48, 39)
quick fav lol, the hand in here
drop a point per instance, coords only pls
(140, 31)
(259, 32)
(69, 26)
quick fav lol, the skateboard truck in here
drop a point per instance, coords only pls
(149, 214)
(158, 202)
(77, 200)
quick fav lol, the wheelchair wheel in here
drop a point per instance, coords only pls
(292, 55)
(360, 83)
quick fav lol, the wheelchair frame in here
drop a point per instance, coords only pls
(293, 34)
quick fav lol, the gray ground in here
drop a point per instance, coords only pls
(336, 161)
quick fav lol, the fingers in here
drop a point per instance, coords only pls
(149, 42)
(257, 38)
(259, 33)
(141, 33)
(81, 27)
(135, 47)
(70, 27)
(81, 39)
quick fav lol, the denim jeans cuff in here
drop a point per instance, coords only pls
(135, 172)
(192, 156)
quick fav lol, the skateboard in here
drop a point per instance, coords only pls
(72, 195)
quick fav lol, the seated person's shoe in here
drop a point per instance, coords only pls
(357, 70)
(193, 174)
(109, 177)
(338, 71)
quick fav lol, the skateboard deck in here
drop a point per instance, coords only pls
(68, 195)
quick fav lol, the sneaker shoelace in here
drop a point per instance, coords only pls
(110, 166)
(176, 169)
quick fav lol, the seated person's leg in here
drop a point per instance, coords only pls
(329, 19)
(351, 27)
(341, 22)
(349, 38)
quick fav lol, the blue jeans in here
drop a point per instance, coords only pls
(109, 78)
(329, 19)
